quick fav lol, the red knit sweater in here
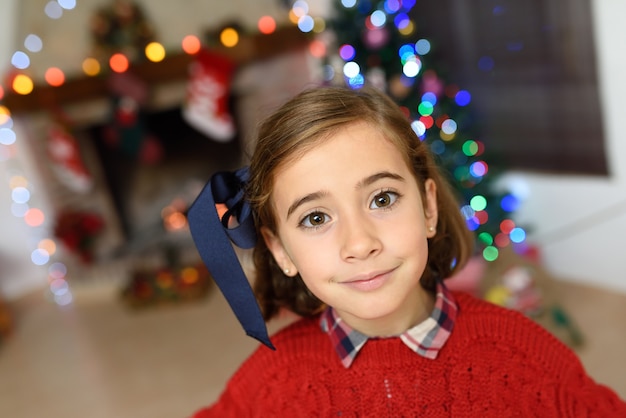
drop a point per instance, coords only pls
(496, 363)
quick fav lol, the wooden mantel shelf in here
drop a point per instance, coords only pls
(173, 68)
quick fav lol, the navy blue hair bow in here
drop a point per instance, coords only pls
(213, 237)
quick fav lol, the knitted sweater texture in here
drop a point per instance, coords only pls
(496, 363)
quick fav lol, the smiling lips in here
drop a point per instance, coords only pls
(368, 282)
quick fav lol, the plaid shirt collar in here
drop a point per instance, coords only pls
(426, 338)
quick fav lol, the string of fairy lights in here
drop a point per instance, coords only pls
(409, 55)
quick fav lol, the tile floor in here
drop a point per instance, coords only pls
(99, 359)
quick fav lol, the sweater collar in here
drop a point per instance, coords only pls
(425, 339)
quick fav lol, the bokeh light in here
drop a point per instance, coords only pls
(191, 44)
(20, 60)
(33, 43)
(155, 52)
(48, 245)
(22, 84)
(266, 25)
(229, 37)
(54, 76)
(91, 66)
(118, 62)
(7, 136)
(34, 217)
(53, 10)
(317, 48)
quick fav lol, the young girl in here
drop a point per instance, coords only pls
(356, 231)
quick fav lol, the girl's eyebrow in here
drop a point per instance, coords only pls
(304, 199)
(363, 183)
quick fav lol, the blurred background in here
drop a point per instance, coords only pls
(114, 114)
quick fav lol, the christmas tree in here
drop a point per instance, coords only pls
(377, 43)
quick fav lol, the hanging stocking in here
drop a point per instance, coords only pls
(206, 108)
(66, 160)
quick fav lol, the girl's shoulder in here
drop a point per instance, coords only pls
(484, 326)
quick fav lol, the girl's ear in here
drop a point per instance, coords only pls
(430, 207)
(275, 245)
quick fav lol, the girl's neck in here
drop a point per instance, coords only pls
(422, 303)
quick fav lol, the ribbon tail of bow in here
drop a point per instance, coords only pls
(218, 255)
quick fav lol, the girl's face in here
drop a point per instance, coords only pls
(352, 222)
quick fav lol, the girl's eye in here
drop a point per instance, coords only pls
(314, 219)
(383, 200)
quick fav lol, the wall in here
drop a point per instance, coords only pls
(580, 222)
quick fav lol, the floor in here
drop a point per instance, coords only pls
(99, 358)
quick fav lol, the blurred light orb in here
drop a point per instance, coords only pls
(470, 147)
(118, 63)
(306, 23)
(412, 68)
(317, 48)
(33, 43)
(23, 84)
(20, 60)
(425, 108)
(490, 253)
(357, 81)
(59, 287)
(91, 67)
(48, 245)
(39, 257)
(20, 195)
(449, 126)
(18, 181)
(53, 10)
(392, 6)
(191, 44)
(348, 3)
(418, 127)
(422, 46)
(407, 29)
(347, 52)
(7, 136)
(401, 21)
(319, 25)
(351, 69)
(64, 299)
(486, 63)
(376, 38)
(34, 217)
(462, 97)
(266, 25)
(517, 235)
(54, 77)
(67, 4)
(229, 37)
(378, 18)
(57, 270)
(438, 147)
(509, 203)
(19, 210)
(155, 52)
(300, 8)
(478, 203)
(328, 72)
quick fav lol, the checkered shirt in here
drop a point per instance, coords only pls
(425, 339)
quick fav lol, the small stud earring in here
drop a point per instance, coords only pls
(431, 229)
(286, 271)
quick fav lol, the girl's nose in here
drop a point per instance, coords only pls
(359, 238)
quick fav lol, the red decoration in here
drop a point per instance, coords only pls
(78, 232)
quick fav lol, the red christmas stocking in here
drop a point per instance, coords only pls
(206, 108)
(66, 160)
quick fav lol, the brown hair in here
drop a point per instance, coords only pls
(310, 117)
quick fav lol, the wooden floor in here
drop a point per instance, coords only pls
(100, 359)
